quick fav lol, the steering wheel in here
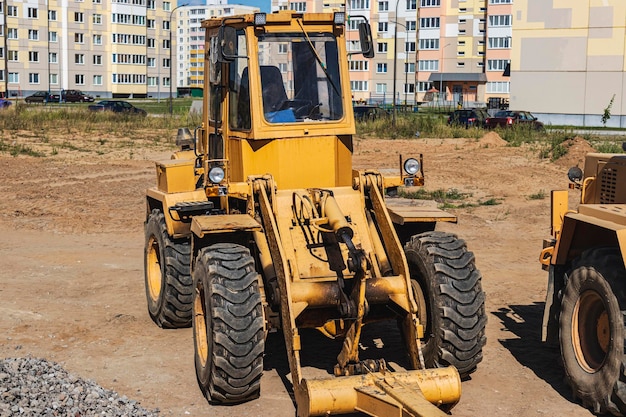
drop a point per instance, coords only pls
(301, 108)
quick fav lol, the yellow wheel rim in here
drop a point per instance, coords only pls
(153, 269)
(199, 327)
(591, 331)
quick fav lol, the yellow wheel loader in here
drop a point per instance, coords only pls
(586, 298)
(259, 224)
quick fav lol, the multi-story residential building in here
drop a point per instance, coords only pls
(117, 48)
(190, 38)
(568, 61)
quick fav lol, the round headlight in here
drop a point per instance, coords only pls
(216, 175)
(411, 166)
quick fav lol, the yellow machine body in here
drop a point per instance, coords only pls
(288, 191)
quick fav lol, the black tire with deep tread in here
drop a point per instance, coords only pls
(171, 307)
(455, 302)
(600, 272)
(229, 318)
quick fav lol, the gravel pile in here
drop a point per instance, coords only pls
(36, 387)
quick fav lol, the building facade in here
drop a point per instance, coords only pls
(568, 61)
(107, 48)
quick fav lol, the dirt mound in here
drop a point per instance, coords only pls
(492, 139)
(576, 149)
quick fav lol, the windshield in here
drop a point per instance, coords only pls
(300, 77)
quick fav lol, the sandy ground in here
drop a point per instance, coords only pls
(71, 271)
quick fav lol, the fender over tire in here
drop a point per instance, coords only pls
(228, 324)
(591, 330)
(444, 271)
(167, 275)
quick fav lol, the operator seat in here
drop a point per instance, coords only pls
(273, 88)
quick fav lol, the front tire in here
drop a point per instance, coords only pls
(228, 325)
(591, 330)
(444, 276)
(167, 275)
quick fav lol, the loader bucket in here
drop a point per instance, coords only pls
(385, 394)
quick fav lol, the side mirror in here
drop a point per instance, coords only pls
(575, 174)
(227, 40)
(367, 43)
(216, 146)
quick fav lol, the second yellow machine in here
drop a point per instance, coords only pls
(260, 224)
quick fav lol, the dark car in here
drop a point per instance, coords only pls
(75, 96)
(365, 113)
(509, 118)
(117, 106)
(39, 97)
(468, 117)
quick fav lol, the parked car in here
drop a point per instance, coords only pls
(39, 97)
(4, 103)
(508, 118)
(117, 106)
(468, 117)
(74, 96)
(365, 113)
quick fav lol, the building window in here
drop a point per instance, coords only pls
(97, 39)
(282, 48)
(97, 19)
(151, 24)
(409, 67)
(359, 4)
(52, 58)
(500, 1)
(359, 66)
(381, 88)
(166, 81)
(52, 36)
(13, 56)
(383, 26)
(411, 4)
(52, 15)
(381, 68)
(409, 88)
(33, 13)
(353, 23)
(33, 56)
(79, 17)
(14, 78)
(33, 34)
(283, 67)
(79, 58)
(497, 64)
(54, 78)
(79, 38)
(12, 33)
(11, 11)
(166, 63)
(97, 80)
(428, 65)
(79, 79)
(33, 78)
(382, 46)
(166, 25)
(409, 46)
(97, 59)
(500, 20)
(383, 6)
(424, 86)
(151, 5)
(500, 43)
(498, 87)
(299, 6)
(411, 25)
(152, 62)
(429, 23)
(151, 43)
(166, 6)
(430, 3)
(429, 44)
(460, 64)
(153, 81)
(166, 44)
(359, 85)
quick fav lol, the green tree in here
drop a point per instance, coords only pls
(607, 111)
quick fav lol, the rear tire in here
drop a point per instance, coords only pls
(444, 275)
(167, 277)
(591, 330)
(228, 325)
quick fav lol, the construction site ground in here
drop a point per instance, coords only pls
(72, 283)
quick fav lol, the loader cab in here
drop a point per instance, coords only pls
(279, 98)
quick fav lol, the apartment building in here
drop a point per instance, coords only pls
(108, 48)
(190, 39)
(568, 61)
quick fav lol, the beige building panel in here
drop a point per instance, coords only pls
(559, 52)
(606, 41)
(548, 92)
(599, 88)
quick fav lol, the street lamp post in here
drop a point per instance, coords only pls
(171, 48)
(395, 59)
(441, 71)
